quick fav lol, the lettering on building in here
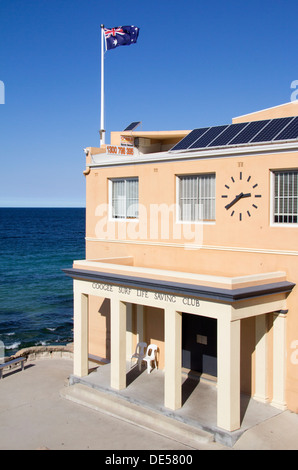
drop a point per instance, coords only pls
(157, 297)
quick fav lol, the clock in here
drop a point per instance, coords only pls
(241, 196)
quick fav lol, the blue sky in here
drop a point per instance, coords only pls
(196, 63)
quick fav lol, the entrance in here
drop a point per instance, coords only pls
(199, 344)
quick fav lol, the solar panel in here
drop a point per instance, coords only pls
(132, 126)
(248, 132)
(241, 133)
(228, 134)
(208, 137)
(289, 132)
(269, 132)
(190, 139)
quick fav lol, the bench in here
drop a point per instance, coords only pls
(20, 360)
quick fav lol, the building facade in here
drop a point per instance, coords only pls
(192, 244)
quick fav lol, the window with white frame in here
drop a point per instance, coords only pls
(196, 197)
(125, 198)
(285, 209)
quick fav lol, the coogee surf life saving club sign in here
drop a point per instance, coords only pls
(146, 297)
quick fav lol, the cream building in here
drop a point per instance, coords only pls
(192, 244)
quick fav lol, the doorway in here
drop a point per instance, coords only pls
(199, 344)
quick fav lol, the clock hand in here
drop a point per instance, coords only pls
(236, 199)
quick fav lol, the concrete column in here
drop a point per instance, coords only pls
(129, 333)
(173, 347)
(118, 344)
(228, 374)
(261, 360)
(140, 323)
(80, 363)
(279, 361)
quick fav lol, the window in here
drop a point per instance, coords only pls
(285, 197)
(125, 198)
(197, 197)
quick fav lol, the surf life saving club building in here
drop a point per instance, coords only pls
(191, 245)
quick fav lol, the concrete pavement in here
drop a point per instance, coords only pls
(35, 415)
(145, 393)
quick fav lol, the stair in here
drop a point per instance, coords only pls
(137, 415)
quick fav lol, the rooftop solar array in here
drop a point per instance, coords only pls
(132, 126)
(208, 137)
(272, 130)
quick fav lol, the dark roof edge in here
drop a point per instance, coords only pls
(189, 290)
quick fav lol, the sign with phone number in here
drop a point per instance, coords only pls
(118, 150)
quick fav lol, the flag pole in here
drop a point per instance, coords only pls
(102, 130)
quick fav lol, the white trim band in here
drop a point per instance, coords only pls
(192, 246)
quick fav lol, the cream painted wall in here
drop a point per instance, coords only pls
(285, 110)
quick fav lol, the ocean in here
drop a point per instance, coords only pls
(36, 297)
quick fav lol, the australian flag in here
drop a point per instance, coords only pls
(120, 36)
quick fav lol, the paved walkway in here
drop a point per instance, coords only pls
(33, 415)
(199, 398)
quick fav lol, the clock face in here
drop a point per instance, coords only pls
(242, 195)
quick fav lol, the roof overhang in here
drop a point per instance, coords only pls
(206, 287)
(170, 156)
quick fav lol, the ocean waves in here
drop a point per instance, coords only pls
(36, 306)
